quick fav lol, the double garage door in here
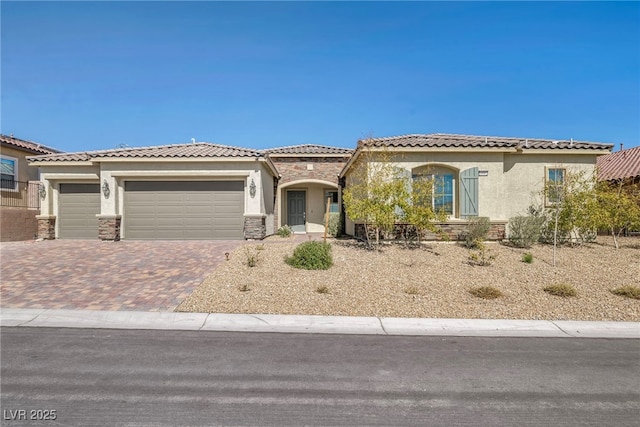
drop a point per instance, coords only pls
(159, 210)
(188, 210)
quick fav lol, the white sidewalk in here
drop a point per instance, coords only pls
(314, 324)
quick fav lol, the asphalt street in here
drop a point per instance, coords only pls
(85, 377)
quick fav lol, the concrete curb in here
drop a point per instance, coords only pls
(12, 317)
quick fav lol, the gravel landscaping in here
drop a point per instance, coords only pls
(433, 280)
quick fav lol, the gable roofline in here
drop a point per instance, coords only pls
(26, 145)
(442, 140)
(622, 164)
(474, 143)
(204, 151)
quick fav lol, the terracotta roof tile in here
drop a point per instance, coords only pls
(619, 165)
(308, 149)
(23, 144)
(193, 150)
(444, 140)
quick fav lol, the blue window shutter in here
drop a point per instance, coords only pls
(469, 193)
(404, 175)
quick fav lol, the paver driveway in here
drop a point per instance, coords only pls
(96, 275)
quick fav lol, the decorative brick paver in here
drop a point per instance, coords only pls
(97, 275)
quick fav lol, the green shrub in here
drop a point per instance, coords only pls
(486, 292)
(251, 256)
(524, 231)
(528, 258)
(481, 255)
(313, 255)
(335, 224)
(477, 231)
(627, 291)
(561, 290)
(284, 231)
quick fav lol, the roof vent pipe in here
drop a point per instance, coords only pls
(193, 140)
(571, 143)
(526, 142)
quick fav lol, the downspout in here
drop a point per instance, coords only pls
(343, 223)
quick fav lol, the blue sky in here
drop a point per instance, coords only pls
(83, 76)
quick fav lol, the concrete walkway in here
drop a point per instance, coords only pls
(315, 324)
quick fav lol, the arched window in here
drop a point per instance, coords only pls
(442, 194)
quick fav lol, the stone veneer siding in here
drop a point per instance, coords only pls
(47, 228)
(109, 228)
(295, 168)
(454, 230)
(254, 227)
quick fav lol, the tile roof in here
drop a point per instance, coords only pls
(191, 150)
(619, 165)
(309, 149)
(23, 144)
(444, 140)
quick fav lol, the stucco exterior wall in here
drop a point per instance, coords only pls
(25, 172)
(525, 177)
(509, 182)
(115, 174)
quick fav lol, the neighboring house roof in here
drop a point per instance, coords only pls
(619, 165)
(308, 149)
(178, 151)
(24, 145)
(445, 140)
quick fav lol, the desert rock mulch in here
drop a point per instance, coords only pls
(432, 280)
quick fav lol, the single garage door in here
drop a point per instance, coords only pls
(78, 205)
(183, 210)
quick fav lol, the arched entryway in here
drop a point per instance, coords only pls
(302, 204)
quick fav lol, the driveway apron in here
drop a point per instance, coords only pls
(96, 275)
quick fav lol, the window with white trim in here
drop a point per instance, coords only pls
(9, 173)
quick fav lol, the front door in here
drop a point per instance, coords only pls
(296, 211)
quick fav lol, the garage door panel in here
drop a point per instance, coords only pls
(184, 210)
(78, 205)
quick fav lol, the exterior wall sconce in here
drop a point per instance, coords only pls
(105, 189)
(42, 191)
(252, 189)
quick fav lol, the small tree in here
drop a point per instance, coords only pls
(417, 207)
(618, 207)
(375, 192)
(380, 194)
(571, 208)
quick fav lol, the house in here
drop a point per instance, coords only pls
(622, 168)
(494, 177)
(186, 191)
(19, 185)
(623, 165)
(211, 191)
